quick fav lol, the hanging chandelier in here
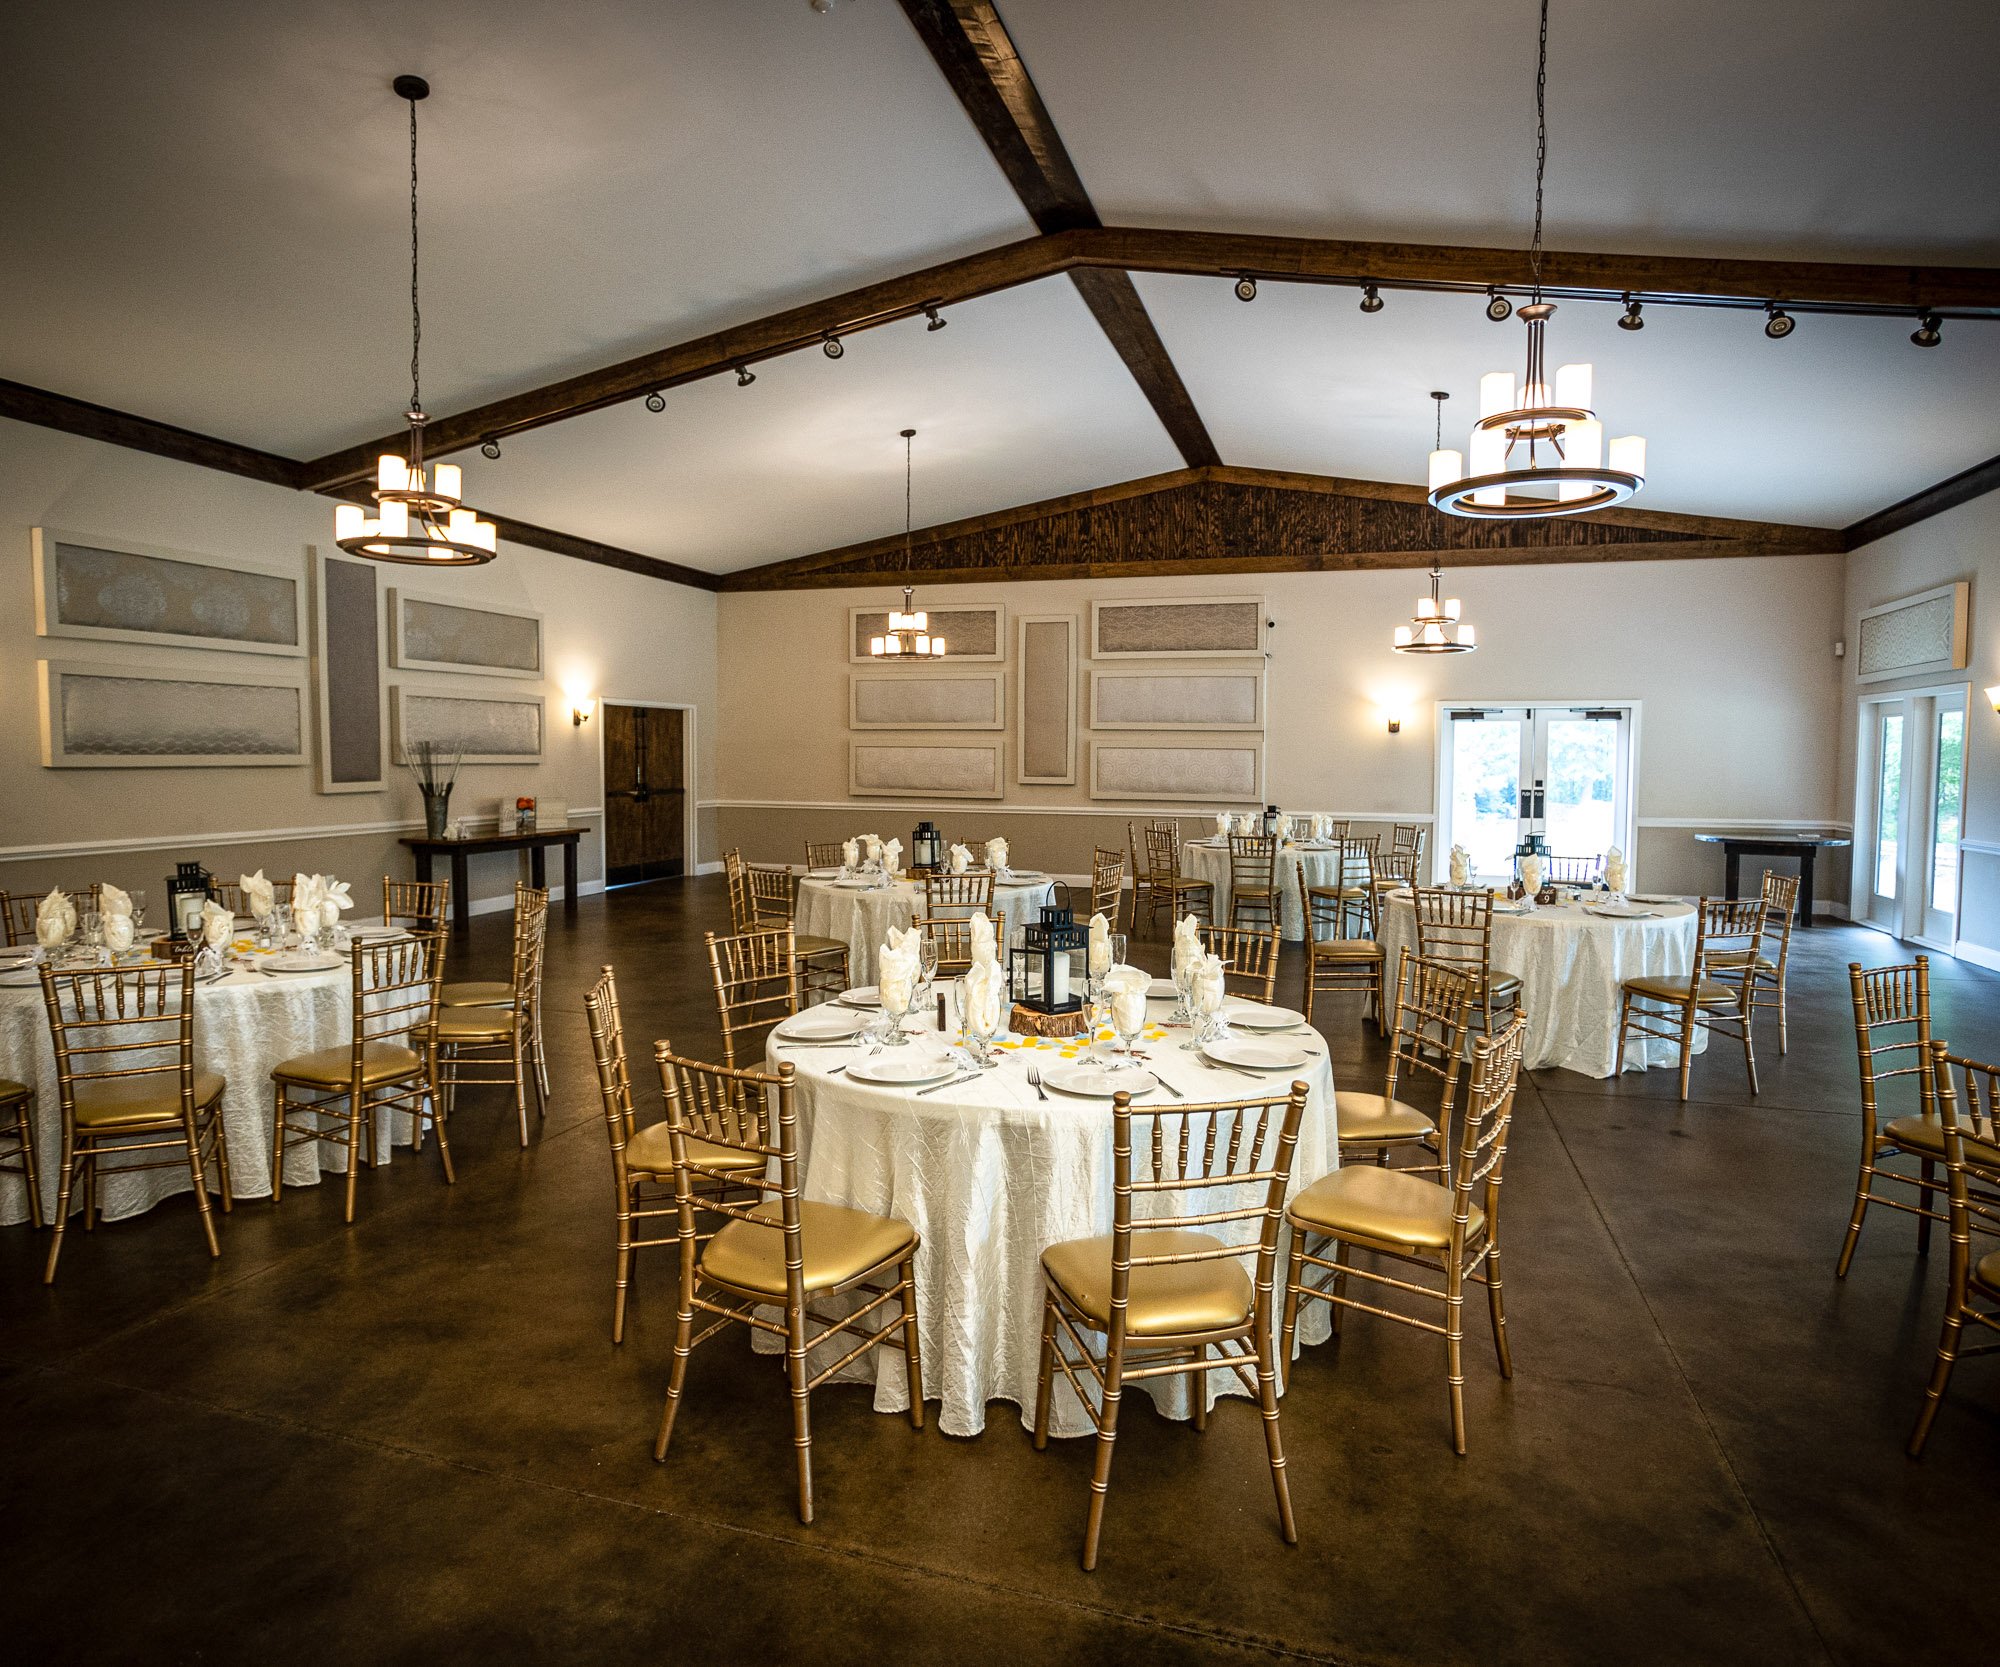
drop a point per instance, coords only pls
(1435, 628)
(1538, 449)
(419, 518)
(909, 628)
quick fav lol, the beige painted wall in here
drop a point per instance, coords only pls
(1731, 661)
(1962, 543)
(608, 632)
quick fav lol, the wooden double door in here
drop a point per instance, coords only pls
(645, 793)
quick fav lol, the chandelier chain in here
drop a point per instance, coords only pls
(1541, 146)
(908, 441)
(416, 312)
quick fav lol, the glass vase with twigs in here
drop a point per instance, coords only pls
(434, 766)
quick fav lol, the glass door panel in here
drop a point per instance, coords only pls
(1581, 783)
(1485, 809)
(1947, 799)
(1888, 804)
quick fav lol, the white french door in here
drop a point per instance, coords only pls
(1911, 792)
(1565, 772)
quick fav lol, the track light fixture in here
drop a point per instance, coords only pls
(1246, 288)
(490, 449)
(831, 346)
(1371, 300)
(656, 402)
(1927, 333)
(1498, 307)
(745, 376)
(1631, 320)
(1779, 324)
(936, 322)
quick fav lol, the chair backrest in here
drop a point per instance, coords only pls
(742, 904)
(531, 936)
(742, 1111)
(756, 982)
(1726, 932)
(959, 893)
(1892, 1031)
(1163, 853)
(1249, 957)
(423, 904)
(1253, 859)
(824, 853)
(773, 895)
(396, 984)
(614, 1077)
(1455, 927)
(1397, 868)
(1482, 1132)
(1972, 1172)
(951, 937)
(1433, 1011)
(1357, 864)
(131, 1024)
(1781, 907)
(1222, 1163)
(17, 910)
(1107, 882)
(1571, 871)
(1408, 837)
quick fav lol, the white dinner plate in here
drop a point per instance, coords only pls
(1510, 908)
(902, 1070)
(1099, 1082)
(21, 976)
(864, 996)
(1638, 899)
(294, 961)
(820, 1023)
(1256, 1053)
(1625, 912)
(859, 885)
(1162, 989)
(1023, 877)
(377, 934)
(822, 873)
(1254, 1015)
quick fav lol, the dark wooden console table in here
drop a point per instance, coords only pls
(535, 841)
(1735, 847)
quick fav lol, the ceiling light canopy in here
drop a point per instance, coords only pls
(419, 518)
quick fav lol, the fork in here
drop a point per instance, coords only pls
(1035, 1082)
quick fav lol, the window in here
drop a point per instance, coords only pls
(1564, 772)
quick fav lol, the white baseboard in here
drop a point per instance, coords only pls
(1978, 954)
(708, 868)
(504, 902)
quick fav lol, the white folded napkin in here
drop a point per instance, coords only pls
(872, 844)
(996, 854)
(216, 924)
(961, 859)
(898, 966)
(1209, 987)
(1187, 944)
(111, 901)
(119, 931)
(892, 855)
(334, 896)
(1531, 874)
(55, 920)
(1100, 946)
(985, 944)
(1125, 989)
(1461, 866)
(850, 853)
(1223, 823)
(259, 894)
(984, 999)
(308, 893)
(1614, 868)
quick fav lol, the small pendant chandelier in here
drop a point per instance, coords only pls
(1537, 452)
(1435, 628)
(419, 518)
(909, 628)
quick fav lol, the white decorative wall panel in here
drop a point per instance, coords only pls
(927, 700)
(1915, 635)
(1177, 627)
(970, 631)
(1177, 700)
(439, 633)
(1046, 706)
(113, 716)
(918, 770)
(1229, 771)
(116, 591)
(487, 729)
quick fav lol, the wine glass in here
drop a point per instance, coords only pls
(1129, 1038)
(138, 912)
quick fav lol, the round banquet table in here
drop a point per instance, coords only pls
(1203, 859)
(1571, 966)
(861, 917)
(244, 1024)
(990, 1175)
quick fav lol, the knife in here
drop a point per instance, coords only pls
(936, 1087)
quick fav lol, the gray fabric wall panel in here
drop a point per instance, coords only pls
(1121, 771)
(350, 672)
(1048, 700)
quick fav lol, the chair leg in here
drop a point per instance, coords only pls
(1340, 1254)
(1454, 1359)
(29, 1173)
(357, 1106)
(677, 1377)
(1624, 1019)
(1294, 1269)
(795, 1363)
(1927, 1173)
(1044, 1384)
(1274, 1447)
(520, 1085)
(279, 1107)
(1947, 1357)
(1784, 1042)
(64, 1178)
(1107, 1442)
(622, 1278)
(1749, 1051)
(1863, 1193)
(1380, 995)
(1497, 1310)
(191, 1133)
(1687, 1049)
(913, 1365)
(427, 1090)
(1198, 1384)
(222, 1160)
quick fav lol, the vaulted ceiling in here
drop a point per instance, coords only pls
(206, 221)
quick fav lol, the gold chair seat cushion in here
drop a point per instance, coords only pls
(807, 947)
(492, 993)
(1346, 949)
(1162, 1301)
(333, 1067)
(1372, 1117)
(109, 1103)
(1986, 1273)
(649, 1152)
(475, 1024)
(1383, 1206)
(11, 1090)
(1667, 988)
(838, 1245)
(1502, 986)
(1926, 1135)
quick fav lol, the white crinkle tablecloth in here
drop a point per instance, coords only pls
(990, 1176)
(1203, 861)
(861, 918)
(243, 1026)
(1572, 967)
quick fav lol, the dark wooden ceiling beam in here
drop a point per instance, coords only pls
(971, 47)
(1961, 488)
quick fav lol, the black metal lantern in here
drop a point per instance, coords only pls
(1042, 974)
(926, 847)
(188, 888)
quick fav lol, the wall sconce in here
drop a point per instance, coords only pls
(580, 709)
(1993, 695)
(1395, 723)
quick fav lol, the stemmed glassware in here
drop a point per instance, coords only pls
(978, 1043)
(891, 1033)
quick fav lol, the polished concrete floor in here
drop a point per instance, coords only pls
(412, 1440)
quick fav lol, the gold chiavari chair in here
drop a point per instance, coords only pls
(1394, 871)
(1571, 871)
(1352, 897)
(951, 937)
(17, 910)
(756, 983)
(422, 905)
(1338, 964)
(824, 853)
(1253, 878)
(642, 1160)
(229, 893)
(1433, 1013)
(127, 1084)
(784, 1252)
(1166, 888)
(1164, 1294)
(501, 992)
(387, 1064)
(1456, 927)
(1673, 1007)
(1765, 969)
(742, 901)
(1892, 1036)
(1142, 877)
(1972, 1187)
(17, 1145)
(960, 894)
(774, 902)
(1451, 1227)
(1407, 839)
(1249, 958)
(500, 1044)
(1107, 883)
